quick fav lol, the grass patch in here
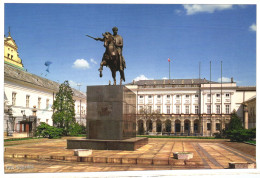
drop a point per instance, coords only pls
(165, 136)
(251, 141)
(18, 139)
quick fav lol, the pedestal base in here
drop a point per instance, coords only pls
(130, 144)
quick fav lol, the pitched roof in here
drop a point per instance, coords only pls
(18, 74)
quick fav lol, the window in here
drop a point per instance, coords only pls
(27, 101)
(187, 96)
(168, 96)
(39, 103)
(159, 109)
(11, 56)
(78, 109)
(150, 96)
(8, 55)
(178, 96)
(196, 109)
(208, 95)
(208, 109)
(187, 109)
(196, 96)
(158, 96)
(218, 95)
(141, 96)
(218, 109)
(150, 109)
(227, 109)
(178, 109)
(13, 98)
(168, 109)
(217, 126)
(47, 103)
(47, 120)
(141, 109)
(227, 95)
(208, 126)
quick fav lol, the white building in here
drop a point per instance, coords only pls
(187, 106)
(23, 91)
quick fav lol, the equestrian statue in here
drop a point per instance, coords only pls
(112, 57)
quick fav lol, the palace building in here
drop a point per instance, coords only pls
(188, 106)
(26, 94)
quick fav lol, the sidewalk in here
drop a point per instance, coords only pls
(207, 154)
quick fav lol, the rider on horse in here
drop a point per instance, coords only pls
(119, 46)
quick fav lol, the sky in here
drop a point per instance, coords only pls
(187, 34)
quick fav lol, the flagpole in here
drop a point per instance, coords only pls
(169, 69)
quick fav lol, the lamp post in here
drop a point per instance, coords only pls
(10, 117)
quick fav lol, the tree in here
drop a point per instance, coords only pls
(235, 123)
(63, 106)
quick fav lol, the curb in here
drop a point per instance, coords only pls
(116, 160)
(250, 143)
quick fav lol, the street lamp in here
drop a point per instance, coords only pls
(23, 113)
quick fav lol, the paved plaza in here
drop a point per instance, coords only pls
(52, 156)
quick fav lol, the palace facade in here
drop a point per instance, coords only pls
(188, 106)
(26, 94)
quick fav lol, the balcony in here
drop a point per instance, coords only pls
(150, 101)
(159, 101)
(218, 100)
(178, 101)
(168, 101)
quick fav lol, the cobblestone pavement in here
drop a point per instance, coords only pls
(52, 156)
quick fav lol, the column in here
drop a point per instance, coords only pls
(245, 117)
(191, 126)
(163, 126)
(145, 129)
(213, 125)
(173, 126)
(154, 126)
(204, 123)
(182, 125)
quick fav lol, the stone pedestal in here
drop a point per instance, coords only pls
(111, 120)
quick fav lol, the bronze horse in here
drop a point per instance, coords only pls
(111, 58)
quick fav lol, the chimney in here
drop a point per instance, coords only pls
(133, 82)
(232, 80)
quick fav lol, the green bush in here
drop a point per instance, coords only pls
(241, 135)
(47, 131)
(76, 129)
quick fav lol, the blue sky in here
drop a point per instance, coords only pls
(187, 34)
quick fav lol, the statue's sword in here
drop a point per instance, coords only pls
(90, 37)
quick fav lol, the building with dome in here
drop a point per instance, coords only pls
(26, 94)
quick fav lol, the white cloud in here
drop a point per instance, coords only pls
(164, 78)
(224, 79)
(198, 8)
(72, 84)
(252, 27)
(93, 61)
(141, 77)
(81, 64)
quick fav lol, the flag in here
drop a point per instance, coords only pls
(169, 60)
(47, 64)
